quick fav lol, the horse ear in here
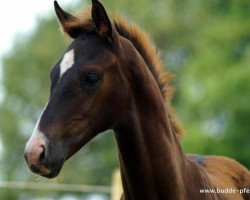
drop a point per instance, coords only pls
(101, 20)
(69, 23)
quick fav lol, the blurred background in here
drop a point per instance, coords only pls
(206, 44)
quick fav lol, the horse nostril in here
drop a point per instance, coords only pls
(42, 156)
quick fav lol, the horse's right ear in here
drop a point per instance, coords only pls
(69, 23)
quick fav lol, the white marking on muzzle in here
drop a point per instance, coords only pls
(67, 62)
(37, 136)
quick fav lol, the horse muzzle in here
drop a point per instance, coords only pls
(41, 158)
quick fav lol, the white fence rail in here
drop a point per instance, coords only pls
(55, 187)
(115, 190)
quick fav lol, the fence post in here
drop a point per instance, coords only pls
(116, 191)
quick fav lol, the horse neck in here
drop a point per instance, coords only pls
(151, 160)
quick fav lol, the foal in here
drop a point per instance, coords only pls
(110, 78)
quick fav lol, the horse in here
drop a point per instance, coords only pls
(111, 77)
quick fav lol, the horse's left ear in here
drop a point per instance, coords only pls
(69, 23)
(102, 21)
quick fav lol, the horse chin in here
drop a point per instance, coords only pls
(54, 169)
(51, 175)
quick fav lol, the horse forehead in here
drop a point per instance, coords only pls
(67, 62)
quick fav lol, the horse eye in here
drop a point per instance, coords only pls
(91, 79)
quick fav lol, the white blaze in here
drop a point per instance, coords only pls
(67, 62)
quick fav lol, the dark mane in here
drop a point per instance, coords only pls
(144, 46)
